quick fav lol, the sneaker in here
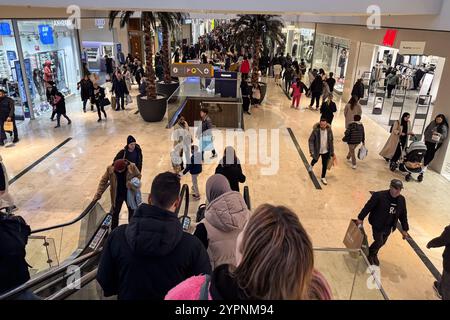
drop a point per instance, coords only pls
(99, 120)
(354, 166)
(436, 289)
(58, 126)
(16, 140)
(70, 122)
(324, 181)
(349, 159)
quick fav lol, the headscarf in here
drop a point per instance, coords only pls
(216, 186)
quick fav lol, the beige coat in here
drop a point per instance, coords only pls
(389, 148)
(110, 176)
(349, 113)
(225, 217)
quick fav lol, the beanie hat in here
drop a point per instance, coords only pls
(130, 139)
(120, 165)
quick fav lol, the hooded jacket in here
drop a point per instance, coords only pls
(314, 141)
(233, 173)
(150, 256)
(225, 217)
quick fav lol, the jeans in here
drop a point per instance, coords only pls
(351, 153)
(315, 96)
(325, 158)
(120, 101)
(380, 238)
(100, 108)
(120, 199)
(431, 151)
(195, 184)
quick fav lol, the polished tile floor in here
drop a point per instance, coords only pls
(60, 187)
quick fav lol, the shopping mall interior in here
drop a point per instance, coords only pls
(82, 83)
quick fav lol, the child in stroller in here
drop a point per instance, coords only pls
(412, 160)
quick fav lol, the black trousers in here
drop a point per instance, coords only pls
(120, 199)
(58, 118)
(85, 103)
(100, 108)
(380, 238)
(287, 85)
(390, 87)
(398, 152)
(53, 115)
(120, 102)
(325, 158)
(245, 103)
(315, 96)
(431, 151)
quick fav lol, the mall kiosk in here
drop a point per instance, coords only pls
(397, 104)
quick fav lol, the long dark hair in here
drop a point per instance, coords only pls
(352, 102)
(444, 119)
(402, 121)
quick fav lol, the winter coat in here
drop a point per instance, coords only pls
(327, 111)
(225, 217)
(149, 256)
(99, 95)
(14, 234)
(86, 89)
(195, 167)
(331, 83)
(110, 176)
(441, 241)
(245, 66)
(6, 108)
(316, 86)
(207, 127)
(350, 114)
(392, 79)
(120, 87)
(358, 90)
(378, 209)
(355, 133)
(60, 105)
(314, 141)
(125, 154)
(223, 286)
(233, 173)
(390, 147)
(109, 65)
(434, 127)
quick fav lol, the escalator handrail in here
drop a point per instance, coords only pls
(184, 193)
(66, 292)
(51, 273)
(247, 197)
(81, 216)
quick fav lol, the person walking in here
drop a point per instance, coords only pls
(204, 134)
(288, 75)
(245, 68)
(99, 101)
(277, 70)
(302, 67)
(86, 92)
(328, 109)
(109, 67)
(393, 80)
(194, 168)
(7, 114)
(59, 105)
(225, 216)
(256, 95)
(443, 287)
(128, 77)
(316, 89)
(138, 72)
(298, 87)
(351, 109)
(354, 135)
(385, 209)
(131, 152)
(435, 134)
(321, 145)
(245, 93)
(119, 176)
(6, 200)
(144, 259)
(397, 141)
(230, 167)
(119, 88)
(331, 81)
(274, 261)
(358, 89)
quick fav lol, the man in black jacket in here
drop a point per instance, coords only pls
(385, 208)
(131, 152)
(358, 89)
(443, 287)
(151, 255)
(7, 114)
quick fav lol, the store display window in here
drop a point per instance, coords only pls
(303, 45)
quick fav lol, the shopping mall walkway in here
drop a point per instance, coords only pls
(60, 187)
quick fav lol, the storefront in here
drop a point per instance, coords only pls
(300, 42)
(331, 55)
(41, 42)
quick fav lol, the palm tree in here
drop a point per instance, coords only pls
(169, 23)
(257, 29)
(149, 23)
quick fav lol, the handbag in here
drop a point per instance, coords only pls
(436, 137)
(8, 126)
(106, 102)
(362, 152)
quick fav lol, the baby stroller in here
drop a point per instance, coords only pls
(412, 160)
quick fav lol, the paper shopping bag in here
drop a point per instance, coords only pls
(8, 126)
(354, 237)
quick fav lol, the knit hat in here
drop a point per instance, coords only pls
(130, 139)
(120, 165)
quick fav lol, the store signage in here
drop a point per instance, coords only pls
(11, 55)
(5, 29)
(191, 70)
(46, 34)
(62, 23)
(100, 23)
(389, 37)
(412, 47)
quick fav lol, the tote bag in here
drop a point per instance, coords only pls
(362, 152)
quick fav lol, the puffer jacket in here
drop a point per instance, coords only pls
(314, 141)
(225, 217)
(355, 133)
(434, 127)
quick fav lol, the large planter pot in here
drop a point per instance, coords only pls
(263, 87)
(167, 88)
(152, 110)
